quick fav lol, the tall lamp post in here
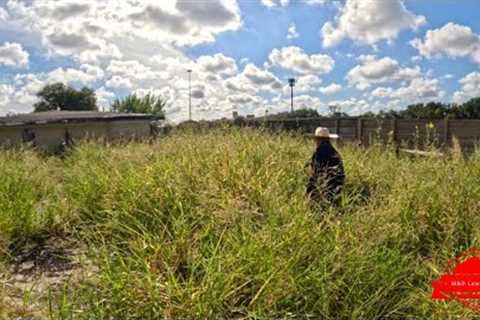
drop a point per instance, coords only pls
(291, 83)
(189, 94)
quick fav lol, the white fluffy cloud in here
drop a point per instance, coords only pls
(132, 69)
(352, 106)
(331, 89)
(12, 54)
(470, 87)
(284, 3)
(274, 3)
(292, 32)
(260, 79)
(452, 40)
(315, 2)
(304, 101)
(369, 21)
(118, 82)
(418, 88)
(295, 59)
(372, 70)
(5, 92)
(188, 22)
(85, 75)
(108, 29)
(123, 46)
(218, 64)
(104, 98)
(303, 84)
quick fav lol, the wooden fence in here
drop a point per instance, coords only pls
(413, 133)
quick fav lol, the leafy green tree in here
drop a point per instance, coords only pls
(149, 104)
(431, 110)
(299, 113)
(469, 109)
(369, 115)
(58, 96)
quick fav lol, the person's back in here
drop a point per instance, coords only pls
(328, 174)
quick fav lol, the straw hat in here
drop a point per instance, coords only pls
(322, 132)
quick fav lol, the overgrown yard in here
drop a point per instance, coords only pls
(216, 225)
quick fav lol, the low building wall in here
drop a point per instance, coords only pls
(50, 137)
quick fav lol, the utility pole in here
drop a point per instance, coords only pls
(334, 110)
(291, 83)
(189, 94)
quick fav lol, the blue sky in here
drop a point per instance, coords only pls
(362, 55)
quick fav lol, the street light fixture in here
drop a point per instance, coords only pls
(189, 94)
(334, 110)
(291, 83)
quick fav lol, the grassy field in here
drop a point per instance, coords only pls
(216, 225)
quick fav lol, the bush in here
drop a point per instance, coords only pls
(149, 104)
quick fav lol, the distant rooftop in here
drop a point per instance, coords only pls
(70, 116)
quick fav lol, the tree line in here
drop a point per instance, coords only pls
(58, 96)
(433, 110)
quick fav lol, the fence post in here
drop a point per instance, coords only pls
(360, 130)
(337, 125)
(394, 137)
(447, 129)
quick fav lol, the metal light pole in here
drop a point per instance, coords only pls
(189, 94)
(334, 109)
(291, 82)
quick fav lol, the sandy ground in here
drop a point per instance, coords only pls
(41, 271)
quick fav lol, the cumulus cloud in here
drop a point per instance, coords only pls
(133, 46)
(274, 3)
(141, 47)
(373, 70)
(315, 2)
(292, 32)
(470, 88)
(104, 98)
(218, 64)
(188, 22)
(131, 69)
(418, 88)
(198, 91)
(260, 79)
(351, 106)
(3, 14)
(284, 3)
(331, 89)
(370, 21)
(214, 13)
(12, 54)
(85, 75)
(5, 92)
(295, 59)
(303, 101)
(362, 106)
(95, 30)
(118, 82)
(303, 84)
(452, 40)
(241, 98)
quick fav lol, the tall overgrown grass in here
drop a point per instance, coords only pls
(215, 224)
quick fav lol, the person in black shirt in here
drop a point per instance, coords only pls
(328, 174)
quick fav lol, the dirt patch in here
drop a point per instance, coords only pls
(41, 270)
